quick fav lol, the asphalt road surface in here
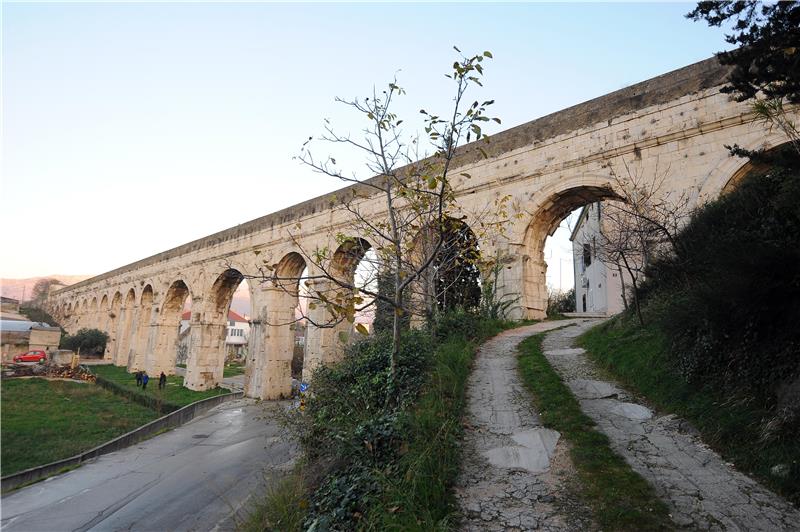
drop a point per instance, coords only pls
(199, 476)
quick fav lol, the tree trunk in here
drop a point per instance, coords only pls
(635, 291)
(622, 284)
(636, 301)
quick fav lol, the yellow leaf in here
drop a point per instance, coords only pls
(361, 329)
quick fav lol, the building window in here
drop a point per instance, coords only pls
(587, 256)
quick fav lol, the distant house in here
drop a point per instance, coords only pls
(238, 332)
(18, 336)
(10, 309)
(598, 289)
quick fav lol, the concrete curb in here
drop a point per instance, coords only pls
(171, 420)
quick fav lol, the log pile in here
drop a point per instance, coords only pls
(47, 371)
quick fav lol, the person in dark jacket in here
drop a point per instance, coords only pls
(162, 381)
(138, 378)
(145, 378)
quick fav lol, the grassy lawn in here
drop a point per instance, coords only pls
(620, 498)
(174, 392)
(233, 369)
(230, 370)
(639, 357)
(45, 421)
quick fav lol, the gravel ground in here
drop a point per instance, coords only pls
(515, 473)
(702, 490)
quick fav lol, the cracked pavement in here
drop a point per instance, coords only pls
(198, 476)
(702, 491)
(515, 473)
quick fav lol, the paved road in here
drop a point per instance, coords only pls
(195, 477)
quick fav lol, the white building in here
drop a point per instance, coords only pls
(236, 338)
(598, 289)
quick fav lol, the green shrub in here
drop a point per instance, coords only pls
(732, 424)
(727, 299)
(85, 341)
(40, 315)
(560, 302)
(353, 423)
(381, 452)
(464, 324)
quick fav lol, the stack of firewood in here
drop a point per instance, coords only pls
(63, 371)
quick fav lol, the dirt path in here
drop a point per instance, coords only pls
(514, 471)
(702, 491)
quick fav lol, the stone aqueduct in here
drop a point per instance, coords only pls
(676, 125)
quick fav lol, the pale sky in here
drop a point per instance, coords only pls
(129, 129)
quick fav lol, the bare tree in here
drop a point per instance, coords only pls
(410, 236)
(638, 226)
(41, 290)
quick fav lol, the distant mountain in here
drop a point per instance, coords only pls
(21, 288)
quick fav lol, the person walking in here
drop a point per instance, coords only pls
(162, 381)
(138, 378)
(145, 378)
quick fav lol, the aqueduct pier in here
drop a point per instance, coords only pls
(675, 126)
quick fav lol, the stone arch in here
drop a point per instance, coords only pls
(164, 340)
(174, 299)
(291, 267)
(456, 262)
(457, 277)
(355, 263)
(102, 317)
(223, 288)
(272, 331)
(93, 317)
(125, 328)
(114, 312)
(750, 168)
(347, 256)
(147, 294)
(547, 215)
(67, 317)
(324, 345)
(206, 363)
(142, 341)
(81, 313)
(730, 171)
